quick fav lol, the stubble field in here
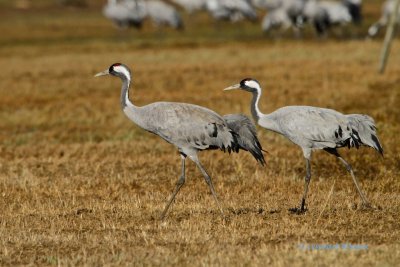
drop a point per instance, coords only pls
(82, 185)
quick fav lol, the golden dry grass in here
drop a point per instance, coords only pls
(81, 185)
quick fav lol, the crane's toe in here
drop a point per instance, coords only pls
(367, 206)
(297, 210)
(364, 206)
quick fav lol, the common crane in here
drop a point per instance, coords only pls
(162, 13)
(283, 14)
(125, 13)
(190, 128)
(276, 18)
(315, 128)
(233, 10)
(387, 10)
(325, 14)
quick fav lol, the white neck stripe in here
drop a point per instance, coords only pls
(124, 71)
(259, 114)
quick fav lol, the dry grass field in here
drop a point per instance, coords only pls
(82, 185)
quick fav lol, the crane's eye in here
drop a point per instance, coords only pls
(244, 82)
(112, 67)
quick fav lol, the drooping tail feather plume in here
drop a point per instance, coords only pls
(246, 135)
(364, 131)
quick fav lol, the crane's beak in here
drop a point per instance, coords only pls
(233, 87)
(106, 72)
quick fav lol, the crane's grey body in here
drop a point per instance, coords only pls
(125, 13)
(282, 14)
(267, 4)
(233, 10)
(163, 14)
(325, 14)
(174, 122)
(190, 128)
(387, 9)
(314, 128)
(191, 6)
(320, 128)
(276, 19)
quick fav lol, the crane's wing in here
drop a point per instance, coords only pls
(189, 126)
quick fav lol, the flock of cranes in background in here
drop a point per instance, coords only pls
(281, 14)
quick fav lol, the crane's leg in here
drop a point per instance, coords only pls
(207, 178)
(306, 183)
(307, 180)
(334, 152)
(178, 186)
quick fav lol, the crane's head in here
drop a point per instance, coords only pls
(248, 84)
(117, 69)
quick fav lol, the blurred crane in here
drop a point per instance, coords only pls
(315, 128)
(387, 10)
(190, 128)
(232, 10)
(276, 19)
(126, 13)
(266, 4)
(163, 14)
(191, 6)
(325, 14)
(283, 14)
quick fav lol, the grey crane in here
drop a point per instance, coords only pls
(232, 10)
(315, 128)
(387, 9)
(191, 6)
(125, 13)
(284, 14)
(162, 13)
(325, 14)
(190, 128)
(276, 18)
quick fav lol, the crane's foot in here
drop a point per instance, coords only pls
(366, 206)
(302, 209)
(297, 210)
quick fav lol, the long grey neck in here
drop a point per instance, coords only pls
(265, 120)
(133, 112)
(124, 99)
